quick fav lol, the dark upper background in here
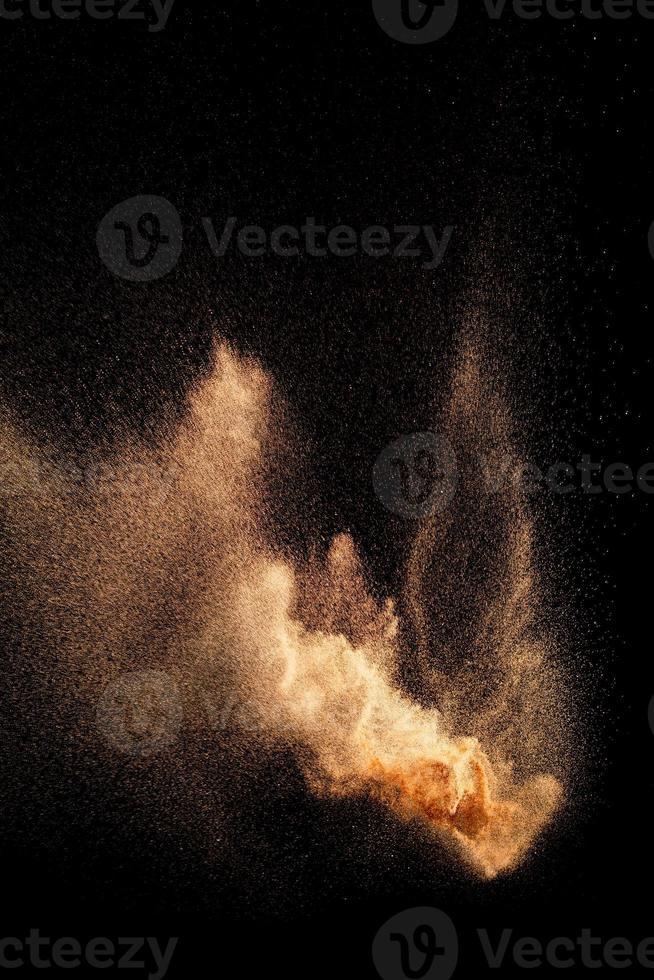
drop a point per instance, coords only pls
(533, 139)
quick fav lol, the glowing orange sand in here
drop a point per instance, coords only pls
(304, 641)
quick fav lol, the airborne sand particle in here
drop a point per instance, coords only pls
(309, 645)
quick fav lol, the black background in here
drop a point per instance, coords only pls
(533, 140)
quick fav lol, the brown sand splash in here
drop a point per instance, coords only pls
(181, 569)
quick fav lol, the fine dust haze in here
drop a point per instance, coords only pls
(168, 561)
